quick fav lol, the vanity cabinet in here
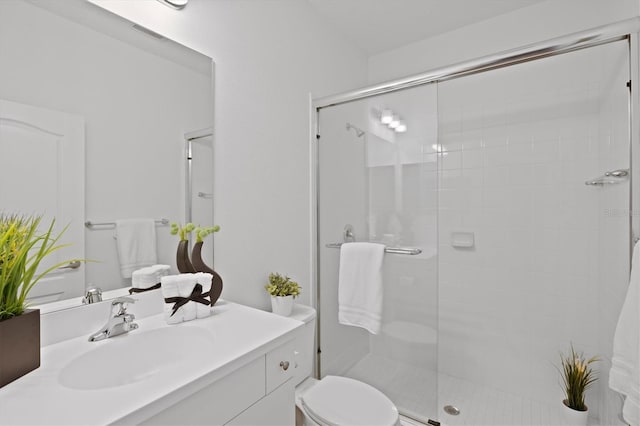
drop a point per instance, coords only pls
(259, 393)
(234, 367)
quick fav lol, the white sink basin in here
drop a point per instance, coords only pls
(136, 356)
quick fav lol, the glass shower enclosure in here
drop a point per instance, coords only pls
(513, 185)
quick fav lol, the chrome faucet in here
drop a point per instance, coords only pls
(119, 321)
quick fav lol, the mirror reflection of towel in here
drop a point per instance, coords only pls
(136, 243)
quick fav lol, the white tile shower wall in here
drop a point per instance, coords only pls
(518, 145)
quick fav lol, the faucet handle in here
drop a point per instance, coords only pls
(121, 303)
(122, 300)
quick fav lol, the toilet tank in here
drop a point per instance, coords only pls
(304, 342)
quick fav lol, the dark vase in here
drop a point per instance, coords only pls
(19, 345)
(182, 258)
(199, 265)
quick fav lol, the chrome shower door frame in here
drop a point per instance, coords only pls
(624, 30)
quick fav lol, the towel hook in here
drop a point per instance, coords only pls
(348, 236)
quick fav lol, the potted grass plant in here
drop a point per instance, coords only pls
(282, 290)
(22, 248)
(577, 377)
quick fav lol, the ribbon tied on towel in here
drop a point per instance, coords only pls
(142, 290)
(196, 296)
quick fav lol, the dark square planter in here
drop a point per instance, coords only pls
(19, 345)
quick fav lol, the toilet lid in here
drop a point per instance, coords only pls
(338, 401)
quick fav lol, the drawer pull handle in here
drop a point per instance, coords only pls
(284, 365)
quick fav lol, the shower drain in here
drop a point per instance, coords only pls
(450, 409)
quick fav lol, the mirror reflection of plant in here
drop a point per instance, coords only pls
(22, 248)
(577, 377)
(183, 231)
(203, 232)
(282, 286)
(200, 231)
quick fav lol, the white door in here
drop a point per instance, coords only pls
(42, 173)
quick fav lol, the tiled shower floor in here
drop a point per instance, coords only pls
(413, 390)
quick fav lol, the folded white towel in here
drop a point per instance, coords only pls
(360, 285)
(136, 243)
(182, 286)
(204, 279)
(162, 270)
(185, 287)
(170, 288)
(624, 376)
(149, 276)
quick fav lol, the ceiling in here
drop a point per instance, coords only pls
(380, 25)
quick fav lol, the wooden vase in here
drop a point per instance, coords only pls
(182, 258)
(200, 266)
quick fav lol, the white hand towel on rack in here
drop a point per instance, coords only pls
(624, 376)
(360, 285)
(136, 243)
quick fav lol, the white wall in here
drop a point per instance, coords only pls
(269, 57)
(135, 117)
(524, 26)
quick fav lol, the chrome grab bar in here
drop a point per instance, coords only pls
(90, 224)
(618, 175)
(74, 264)
(394, 250)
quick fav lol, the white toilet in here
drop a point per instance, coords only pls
(334, 400)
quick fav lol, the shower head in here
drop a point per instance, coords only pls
(359, 132)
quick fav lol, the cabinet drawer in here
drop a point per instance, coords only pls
(280, 365)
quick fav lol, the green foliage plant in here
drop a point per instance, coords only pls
(182, 231)
(282, 286)
(22, 248)
(203, 232)
(577, 377)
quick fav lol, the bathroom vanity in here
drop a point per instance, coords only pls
(233, 367)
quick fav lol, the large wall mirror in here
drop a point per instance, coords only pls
(93, 116)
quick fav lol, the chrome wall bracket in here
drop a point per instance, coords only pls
(609, 178)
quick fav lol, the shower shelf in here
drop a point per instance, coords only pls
(395, 250)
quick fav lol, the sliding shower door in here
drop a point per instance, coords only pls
(514, 186)
(534, 239)
(380, 181)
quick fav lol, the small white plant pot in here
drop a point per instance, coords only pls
(574, 417)
(282, 305)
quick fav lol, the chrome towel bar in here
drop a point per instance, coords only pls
(617, 175)
(89, 224)
(395, 250)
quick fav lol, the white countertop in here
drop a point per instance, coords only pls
(240, 334)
